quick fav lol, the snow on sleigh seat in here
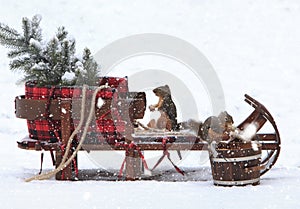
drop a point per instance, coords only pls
(42, 106)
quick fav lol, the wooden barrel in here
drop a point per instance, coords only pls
(237, 164)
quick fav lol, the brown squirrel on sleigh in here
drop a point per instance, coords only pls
(166, 108)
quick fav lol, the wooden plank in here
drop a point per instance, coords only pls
(173, 146)
(33, 109)
(149, 146)
(154, 146)
(256, 117)
(270, 146)
(170, 146)
(66, 173)
(133, 166)
(266, 137)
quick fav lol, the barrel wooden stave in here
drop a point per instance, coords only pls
(236, 164)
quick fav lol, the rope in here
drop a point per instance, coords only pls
(64, 163)
(166, 153)
(132, 145)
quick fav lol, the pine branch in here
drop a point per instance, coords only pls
(23, 64)
(36, 30)
(17, 53)
(61, 33)
(90, 66)
(11, 42)
(46, 63)
(8, 32)
(51, 52)
(65, 55)
(9, 37)
(26, 30)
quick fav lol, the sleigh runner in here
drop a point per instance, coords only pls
(115, 120)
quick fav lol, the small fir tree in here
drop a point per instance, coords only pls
(87, 69)
(50, 62)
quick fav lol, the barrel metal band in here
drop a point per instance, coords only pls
(236, 159)
(236, 183)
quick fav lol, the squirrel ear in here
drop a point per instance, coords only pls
(167, 89)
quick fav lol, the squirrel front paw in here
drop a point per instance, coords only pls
(151, 108)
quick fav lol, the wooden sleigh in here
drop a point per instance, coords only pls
(154, 141)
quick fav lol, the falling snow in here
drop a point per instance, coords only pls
(253, 48)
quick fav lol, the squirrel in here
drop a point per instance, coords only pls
(217, 128)
(166, 107)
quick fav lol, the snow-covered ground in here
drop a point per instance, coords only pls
(254, 48)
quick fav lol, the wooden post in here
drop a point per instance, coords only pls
(66, 173)
(133, 164)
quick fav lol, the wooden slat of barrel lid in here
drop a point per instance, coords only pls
(32, 109)
(254, 117)
(231, 159)
(239, 149)
(238, 145)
